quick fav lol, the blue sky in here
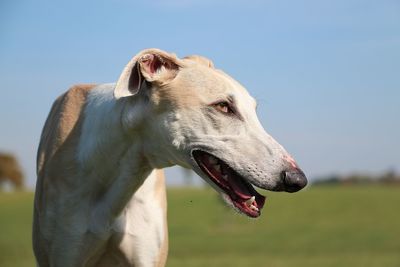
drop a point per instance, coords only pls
(325, 73)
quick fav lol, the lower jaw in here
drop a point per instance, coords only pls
(249, 213)
(241, 209)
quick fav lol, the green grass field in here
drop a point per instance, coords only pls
(321, 226)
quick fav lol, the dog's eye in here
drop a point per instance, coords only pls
(223, 107)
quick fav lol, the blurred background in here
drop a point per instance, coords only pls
(326, 77)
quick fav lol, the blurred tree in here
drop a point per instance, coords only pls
(389, 177)
(10, 171)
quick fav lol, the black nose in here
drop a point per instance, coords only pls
(293, 180)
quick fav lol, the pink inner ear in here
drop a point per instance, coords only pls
(151, 63)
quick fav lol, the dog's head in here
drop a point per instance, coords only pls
(198, 117)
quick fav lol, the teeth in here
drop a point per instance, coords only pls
(217, 167)
(212, 160)
(250, 201)
(225, 177)
(252, 207)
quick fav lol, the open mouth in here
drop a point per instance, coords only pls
(240, 192)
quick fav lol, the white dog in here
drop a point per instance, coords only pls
(100, 195)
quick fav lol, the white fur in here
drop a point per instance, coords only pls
(141, 222)
(143, 233)
(101, 130)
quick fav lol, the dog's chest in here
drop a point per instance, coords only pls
(139, 233)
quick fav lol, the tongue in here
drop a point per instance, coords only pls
(239, 187)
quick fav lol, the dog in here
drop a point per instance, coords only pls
(100, 196)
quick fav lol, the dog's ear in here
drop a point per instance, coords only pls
(151, 65)
(201, 60)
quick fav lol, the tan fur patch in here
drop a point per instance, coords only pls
(201, 60)
(184, 91)
(160, 192)
(59, 139)
(61, 121)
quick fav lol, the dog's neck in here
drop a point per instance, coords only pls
(112, 157)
